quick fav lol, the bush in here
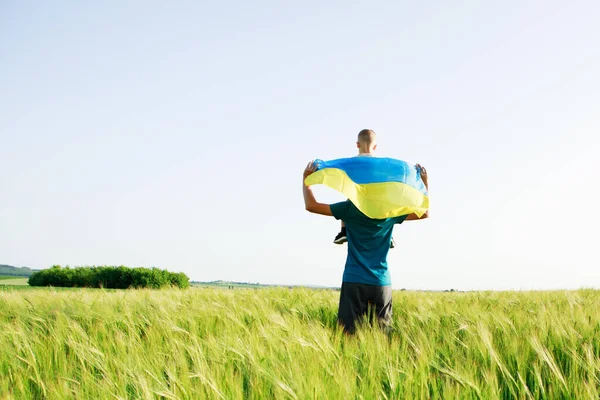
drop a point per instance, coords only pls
(109, 277)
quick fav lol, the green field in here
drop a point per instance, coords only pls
(13, 280)
(7, 277)
(284, 344)
(227, 285)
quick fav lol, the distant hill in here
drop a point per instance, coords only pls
(232, 285)
(9, 270)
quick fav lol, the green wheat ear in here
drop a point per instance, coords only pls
(282, 343)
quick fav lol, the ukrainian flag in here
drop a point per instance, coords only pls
(379, 187)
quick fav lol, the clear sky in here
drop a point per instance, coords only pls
(174, 134)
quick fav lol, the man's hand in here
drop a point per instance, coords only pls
(423, 173)
(310, 168)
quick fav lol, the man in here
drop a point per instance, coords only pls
(366, 281)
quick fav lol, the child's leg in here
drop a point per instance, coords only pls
(341, 237)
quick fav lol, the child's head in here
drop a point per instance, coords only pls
(367, 141)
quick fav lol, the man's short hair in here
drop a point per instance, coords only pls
(366, 136)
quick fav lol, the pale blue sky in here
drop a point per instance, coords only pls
(174, 135)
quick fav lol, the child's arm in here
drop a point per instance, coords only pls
(310, 203)
(415, 217)
(424, 177)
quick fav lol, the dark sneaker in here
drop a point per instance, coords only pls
(392, 244)
(340, 238)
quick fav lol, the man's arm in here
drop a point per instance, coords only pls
(310, 203)
(415, 217)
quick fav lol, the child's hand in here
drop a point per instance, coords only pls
(310, 168)
(423, 173)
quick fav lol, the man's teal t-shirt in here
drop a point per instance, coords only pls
(368, 245)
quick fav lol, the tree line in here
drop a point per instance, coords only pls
(109, 277)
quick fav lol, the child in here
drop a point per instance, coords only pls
(366, 144)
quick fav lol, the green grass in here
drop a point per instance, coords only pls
(25, 287)
(284, 344)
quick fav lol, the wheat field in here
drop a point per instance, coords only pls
(285, 344)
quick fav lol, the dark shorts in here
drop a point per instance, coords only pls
(358, 301)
